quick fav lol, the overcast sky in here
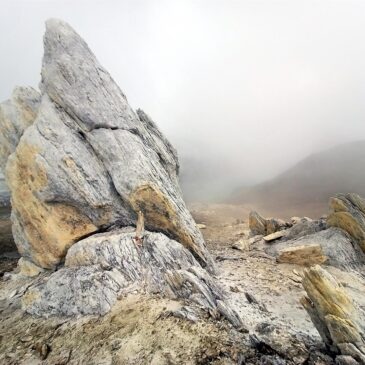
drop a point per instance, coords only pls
(244, 89)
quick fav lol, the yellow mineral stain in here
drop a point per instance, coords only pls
(50, 228)
(160, 214)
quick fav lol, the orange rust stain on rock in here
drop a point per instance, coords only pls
(160, 214)
(50, 228)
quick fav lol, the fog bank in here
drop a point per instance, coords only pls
(243, 89)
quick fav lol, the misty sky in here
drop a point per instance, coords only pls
(243, 89)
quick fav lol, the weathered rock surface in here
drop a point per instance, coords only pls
(89, 162)
(348, 213)
(274, 225)
(16, 114)
(257, 224)
(339, 321)
(306, 255)
(283, 347)
(265, 226)
(107, 266)
(305, 227)
(338, 246)
(274, 236)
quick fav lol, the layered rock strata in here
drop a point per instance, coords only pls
(339, 321)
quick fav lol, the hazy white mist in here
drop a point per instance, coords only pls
(243, 89)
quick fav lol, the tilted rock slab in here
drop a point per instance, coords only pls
(339, 321)
(257, 223)
(107, 266)
(306, 255)
(16, 114)
(89, 162)
(335, 245)
(348, 213)
(265, 226)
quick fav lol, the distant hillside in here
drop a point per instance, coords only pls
(304, 189)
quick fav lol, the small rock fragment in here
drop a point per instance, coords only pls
(274, 236)
(242, 245)
(27, 268)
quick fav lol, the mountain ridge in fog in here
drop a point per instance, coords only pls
(304, 188)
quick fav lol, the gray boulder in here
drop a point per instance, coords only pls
(89, 162)
(274, 225)
(107, 266)
(335, 243)
(305, 227)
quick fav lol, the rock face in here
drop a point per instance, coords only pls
(16, 114)
(107, 266)
(348, 213)
(337, 318)
(89, 162)
(305, 227)
(306, 255)
(335, 244)
(274, 236)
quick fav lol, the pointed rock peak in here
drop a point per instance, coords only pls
(74, 80)
(89, 161)
(61, 37)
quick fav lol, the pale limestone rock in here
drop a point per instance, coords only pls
(89, 162)
(107, 266)
(306, 255)
(16, 114)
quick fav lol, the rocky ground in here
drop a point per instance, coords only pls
(143, 330)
